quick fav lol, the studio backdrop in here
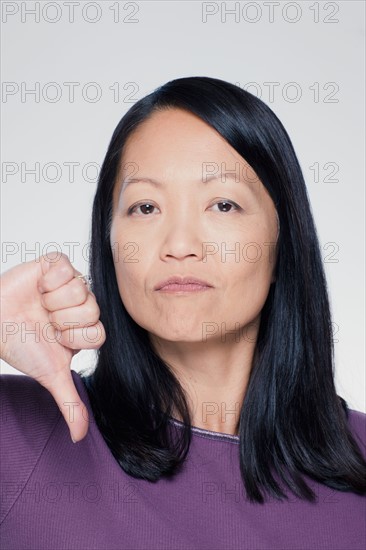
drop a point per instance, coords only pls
(70, 70)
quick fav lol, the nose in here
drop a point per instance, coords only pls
(182, 236)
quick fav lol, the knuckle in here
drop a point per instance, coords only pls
(101, 330)
(51, 256)
(66, 270)
(65, 259)
(92, 312)
(96, 309)
(78, 292)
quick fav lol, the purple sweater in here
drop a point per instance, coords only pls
(56, 494)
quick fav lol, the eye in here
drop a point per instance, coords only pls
(142, 205)
(228, 204)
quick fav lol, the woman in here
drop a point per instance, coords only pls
(211, 420)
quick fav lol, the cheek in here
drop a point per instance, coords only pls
(130, 282)
(250, 252)
(132, 270)
(127, 259)
(132, 255)
(250, 278)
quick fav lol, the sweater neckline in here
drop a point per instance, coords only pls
(209, 434)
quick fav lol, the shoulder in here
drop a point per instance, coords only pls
(357, 420)
(25, 405)
(26, 402)
(28, 416)
(357, 424)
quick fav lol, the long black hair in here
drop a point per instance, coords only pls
(291, 421)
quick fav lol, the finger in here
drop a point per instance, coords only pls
(57, 271)
(90, 337)
(86, 314)
(73, 409)
(72, 294)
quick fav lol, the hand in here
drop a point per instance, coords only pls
(42, 296)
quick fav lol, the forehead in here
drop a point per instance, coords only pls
(177, 131)
(176, 145)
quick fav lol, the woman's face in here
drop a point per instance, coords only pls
(221, 231)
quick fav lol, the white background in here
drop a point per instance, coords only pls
(311, 52)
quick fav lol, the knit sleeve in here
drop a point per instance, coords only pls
(28, 415)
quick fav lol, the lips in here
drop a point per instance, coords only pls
(181, 281)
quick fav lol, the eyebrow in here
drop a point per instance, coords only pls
(128, 181)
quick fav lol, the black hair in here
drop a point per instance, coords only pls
(291, 421)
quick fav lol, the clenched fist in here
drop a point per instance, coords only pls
(47, 316)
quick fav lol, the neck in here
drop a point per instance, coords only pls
(214, 376)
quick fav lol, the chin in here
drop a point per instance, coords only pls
(183, 336)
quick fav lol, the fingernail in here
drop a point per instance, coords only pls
(73, 440)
